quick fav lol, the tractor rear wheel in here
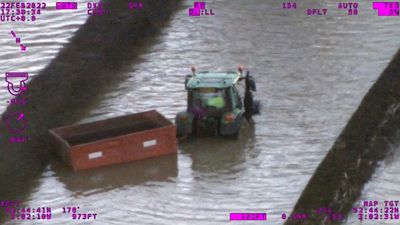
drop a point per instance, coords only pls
(242, 128)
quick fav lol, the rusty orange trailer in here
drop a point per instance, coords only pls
(116, 140)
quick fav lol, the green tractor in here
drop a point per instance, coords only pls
(216, 105)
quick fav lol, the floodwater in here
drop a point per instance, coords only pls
(311, 72)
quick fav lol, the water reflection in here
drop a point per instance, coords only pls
(217, 154)
(88, 182)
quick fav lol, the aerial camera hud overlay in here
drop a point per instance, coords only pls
(199, 112)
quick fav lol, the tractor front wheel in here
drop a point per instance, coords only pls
(256, 107)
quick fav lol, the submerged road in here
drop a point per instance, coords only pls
(64, 90)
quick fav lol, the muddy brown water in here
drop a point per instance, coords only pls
(311, 73)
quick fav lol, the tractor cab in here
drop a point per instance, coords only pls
(215, 103)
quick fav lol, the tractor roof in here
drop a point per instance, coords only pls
(213, 80)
